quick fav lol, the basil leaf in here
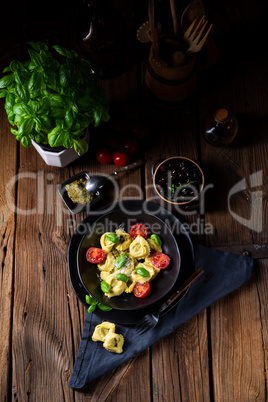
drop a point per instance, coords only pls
(142, 272)
(157, 239)
(36, 81)
(16, 65)
(103, 307)
(91, 308)
(64, 76)
(56, 137)
(105, 287)
(80, 146)
(6, 81)
(21, 109)
(68, 141)
(69, 119)
(22, 93)
(90, 300)
(26, 127)
(35, 57)
(26, 142)
(122, 277)
(35, 45)
(120, 261)
(61, 50)
(112, 237)
(3, 93)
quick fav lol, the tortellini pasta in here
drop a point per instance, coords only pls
(105, 332)
(102, 330)
(154, 246)
(114, 342)
(106, 244)
(123, 258)
(124, 240)
(139, 248)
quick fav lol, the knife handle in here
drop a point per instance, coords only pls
(185, 286)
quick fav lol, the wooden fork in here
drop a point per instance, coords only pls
(193, 36)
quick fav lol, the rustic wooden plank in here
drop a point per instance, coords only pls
(42, 330)
(130, 381)
(10, 49)
(257, 107)
(180, 361)
(8, 167)
(180, 366)
(239, 84)
(239, 348)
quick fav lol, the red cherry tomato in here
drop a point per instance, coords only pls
(95, 255)
(138, 230)
(141, 130)
(104, 155)
(121, 158)
(131, 145)
(141, 289)
(160, 260)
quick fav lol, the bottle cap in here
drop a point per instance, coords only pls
(221, 115)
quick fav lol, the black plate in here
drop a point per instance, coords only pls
(180, 234)
(160, 286)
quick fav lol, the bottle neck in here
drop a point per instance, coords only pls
(221, 116)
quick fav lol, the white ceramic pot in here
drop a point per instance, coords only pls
(61, 158)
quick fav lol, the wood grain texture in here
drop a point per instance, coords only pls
(8, 165)
(219, 355)
(180, 363)
(239, 362)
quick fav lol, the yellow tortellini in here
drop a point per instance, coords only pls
(105, 332)
(116, 286)
(124, 256)
(154, 246)
(106, 245)
(102, 330)
(114, 342)
(139, 248)
(108, 263)
(124, 240)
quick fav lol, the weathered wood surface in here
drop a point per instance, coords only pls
(220, 355)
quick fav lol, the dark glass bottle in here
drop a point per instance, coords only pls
(220, 127)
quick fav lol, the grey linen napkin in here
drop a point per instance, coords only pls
(224, 272)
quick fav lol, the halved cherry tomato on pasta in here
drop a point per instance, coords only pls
(95, 255)
(141, 289)
(138, 230)
(160, 260)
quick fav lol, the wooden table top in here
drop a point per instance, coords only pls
(219, 355)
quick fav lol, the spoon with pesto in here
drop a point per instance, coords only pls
(95, 183)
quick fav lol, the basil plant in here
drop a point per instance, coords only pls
(52, 102)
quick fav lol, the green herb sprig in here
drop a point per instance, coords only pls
(94, 303)
(173, 187)
(50, 102)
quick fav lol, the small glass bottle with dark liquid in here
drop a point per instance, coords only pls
(220, 127)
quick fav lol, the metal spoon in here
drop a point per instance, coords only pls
(95, 183)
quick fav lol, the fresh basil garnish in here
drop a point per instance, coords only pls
(120, 261)
(122, 277)
(112, 237)
(142, 272)
(105, 287)
(157, 239)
